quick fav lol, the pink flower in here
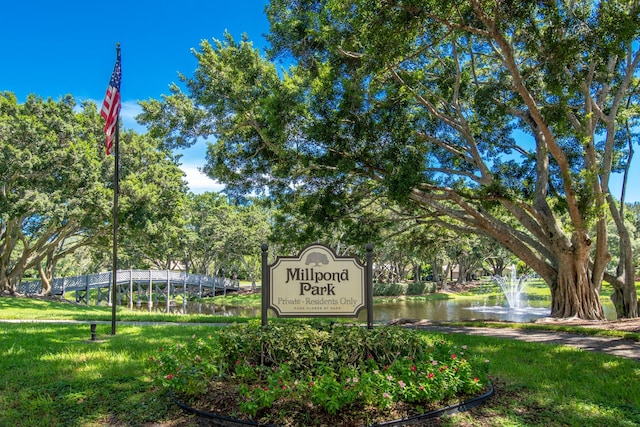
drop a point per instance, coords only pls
(413, 368)
(376, 372)
(434, 363)
(453, 356)
(401, 384)
(464, 347)
(475, 380)
(355, 380)
(389, 377)
(430, 375)
(386, 395)
(169, 377)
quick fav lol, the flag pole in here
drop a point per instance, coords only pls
(116, 190)
(111, 114)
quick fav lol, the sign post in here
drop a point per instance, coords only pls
(317, 283)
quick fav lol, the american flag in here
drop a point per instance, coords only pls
(111, 103)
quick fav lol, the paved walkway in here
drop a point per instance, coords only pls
(609, 345)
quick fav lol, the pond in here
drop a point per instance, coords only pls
(481, 308)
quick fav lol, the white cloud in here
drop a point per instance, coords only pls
(128, 112)
(199, 182)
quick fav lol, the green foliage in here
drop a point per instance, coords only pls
(336, 368)
(59, 190)
(225, 235)
(55, 195)
(419, 288)
(496, 120)
(381, 289)
(190, 366)
(152, 206)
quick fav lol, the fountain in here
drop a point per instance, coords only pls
(517, 309)
(513, 288)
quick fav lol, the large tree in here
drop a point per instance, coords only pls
(56, 191)
(53, 186)
(504, 119)
(153, 205)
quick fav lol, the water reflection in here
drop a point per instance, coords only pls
(482, 307)
(436, 310)
(201, 308)
(454, 310)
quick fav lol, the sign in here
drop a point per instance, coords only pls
(315, 283)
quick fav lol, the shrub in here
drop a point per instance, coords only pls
(420, 288)
(334, 368)
(388, 289)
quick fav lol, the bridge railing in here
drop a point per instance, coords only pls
(104, 279)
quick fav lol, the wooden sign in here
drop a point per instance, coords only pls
(315, 283)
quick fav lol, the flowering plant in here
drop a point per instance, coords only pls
(328, 370)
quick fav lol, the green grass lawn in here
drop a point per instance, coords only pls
(51, 375)
(41, 309)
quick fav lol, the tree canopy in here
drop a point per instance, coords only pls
(54, 195)
(56, 190)
(503, 119)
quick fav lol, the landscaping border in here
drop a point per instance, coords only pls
(224, 421)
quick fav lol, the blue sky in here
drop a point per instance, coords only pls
(68, 47)
(54, 48)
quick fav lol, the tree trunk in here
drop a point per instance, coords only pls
(417, 271)
(624, 298)
(46, 275)
(497, 266)
(574, 294)
(46, 288)
(436, 269)
(464, 268)
(5, 285)
(250, 272)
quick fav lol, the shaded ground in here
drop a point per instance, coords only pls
(627, 325)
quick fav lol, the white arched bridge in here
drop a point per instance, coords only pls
(152, 287)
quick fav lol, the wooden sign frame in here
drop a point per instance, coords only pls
(317, 283)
